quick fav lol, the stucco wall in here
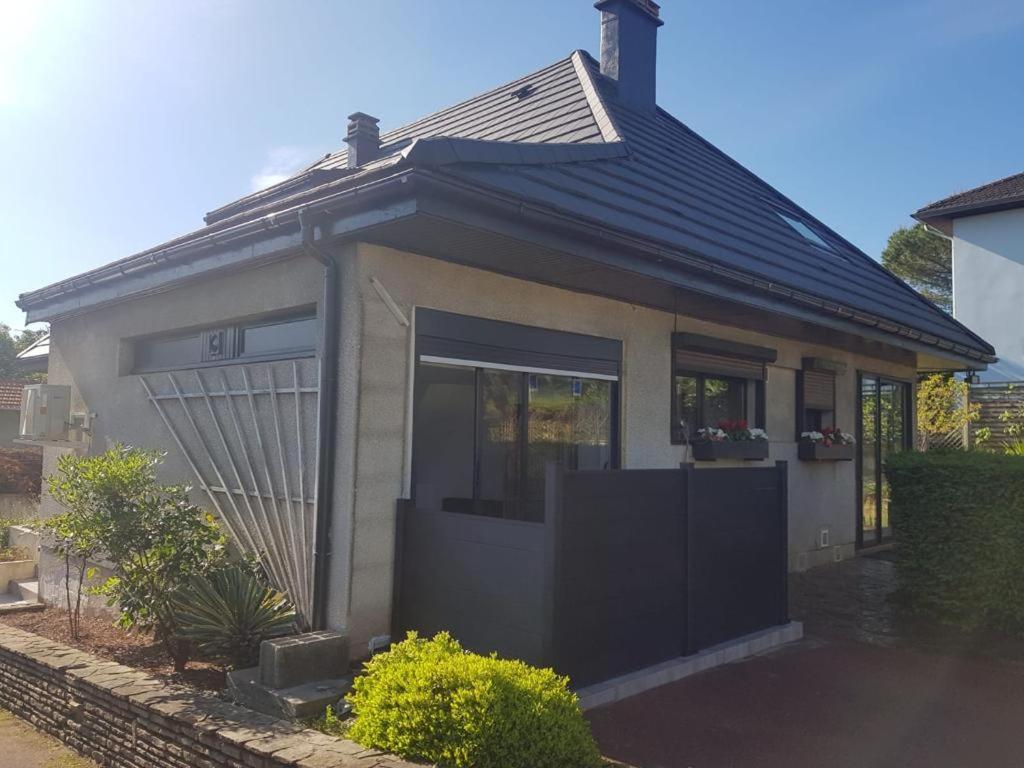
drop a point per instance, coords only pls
(8, 428)
(988, 285)
(372, 466)
(822, 494)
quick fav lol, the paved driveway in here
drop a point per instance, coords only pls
(863, 690)
(23, 747)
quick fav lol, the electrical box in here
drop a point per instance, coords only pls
(45, 412)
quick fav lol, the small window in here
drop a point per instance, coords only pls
(808, 234)
(714, 381)
(268, 338)
(816, 395)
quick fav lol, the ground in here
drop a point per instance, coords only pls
(24, 747)
(867, 687)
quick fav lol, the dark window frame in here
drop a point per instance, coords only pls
(221, 344)
(727, 350)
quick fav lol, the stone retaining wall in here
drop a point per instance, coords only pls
(121, 717)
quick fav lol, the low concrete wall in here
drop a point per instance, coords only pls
(52, 589)
(120, 717)
(25, 538)
(15, 570)
(17, 506)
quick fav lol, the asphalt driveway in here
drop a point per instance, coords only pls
(863, 689)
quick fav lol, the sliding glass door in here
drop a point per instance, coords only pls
(885, 427)
(482, 437)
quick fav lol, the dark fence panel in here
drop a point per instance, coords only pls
(618, 554)
(737, 553)
(480, 578)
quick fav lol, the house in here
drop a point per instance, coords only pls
(10, 406)
(35, 358)
(555, 270)
(986, 227)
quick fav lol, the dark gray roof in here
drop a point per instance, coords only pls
(560, 138)
(996, 195)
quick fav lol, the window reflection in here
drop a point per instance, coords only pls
(473, 424)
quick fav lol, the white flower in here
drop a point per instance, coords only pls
(813, 436)
(758, 434)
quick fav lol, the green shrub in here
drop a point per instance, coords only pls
(429, 700)
(331, 724)
(155, 537)
(228, 613)
(959, 519)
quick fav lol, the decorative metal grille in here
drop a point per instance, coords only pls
(250, 437)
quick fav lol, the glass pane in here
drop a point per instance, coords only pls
(276, 338)
(570, 423)
(500, 446)
(688, 421)
(869, 466)
(893, 435)
(168, 353)
(724, 400)
(444, 437)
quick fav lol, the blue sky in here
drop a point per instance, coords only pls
(123, 121)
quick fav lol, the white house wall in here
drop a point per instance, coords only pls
(988, 285)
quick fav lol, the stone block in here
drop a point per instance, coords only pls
(290, 661)
(298, 702)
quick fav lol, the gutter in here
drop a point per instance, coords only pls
(327, 419)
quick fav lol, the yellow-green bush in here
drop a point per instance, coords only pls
(431, 701)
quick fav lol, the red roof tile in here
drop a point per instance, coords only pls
(10, 395)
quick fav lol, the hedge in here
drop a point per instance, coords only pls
(958, 518)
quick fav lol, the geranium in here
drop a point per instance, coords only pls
(729, 429)
(829, 436)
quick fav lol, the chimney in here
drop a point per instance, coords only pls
(363, 139)
(629, 48)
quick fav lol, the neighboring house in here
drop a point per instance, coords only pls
(10, 409)
(986, 227)
(554, 269)
(35, 358)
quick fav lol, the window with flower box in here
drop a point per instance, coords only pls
(716, 381)
(816, 395)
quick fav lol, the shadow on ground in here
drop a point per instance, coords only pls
(868, 686)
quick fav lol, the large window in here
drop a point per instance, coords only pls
(714, 381)
(269, 338)
(487, 419)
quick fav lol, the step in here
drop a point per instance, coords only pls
(29, 590)
(14, 604)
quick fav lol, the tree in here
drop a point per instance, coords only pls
(943, 407)
(924, 260)
(11, 343)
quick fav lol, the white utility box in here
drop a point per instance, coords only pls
(45, 412)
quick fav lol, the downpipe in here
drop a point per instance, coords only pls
(327, 425)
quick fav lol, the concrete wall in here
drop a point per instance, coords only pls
(988, 285)
(9, 426)
(18, 506)
(822, 494)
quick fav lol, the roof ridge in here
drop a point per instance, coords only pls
(602, 114)
(938, 204)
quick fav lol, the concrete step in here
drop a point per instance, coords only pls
(29, 590)
(14, 604)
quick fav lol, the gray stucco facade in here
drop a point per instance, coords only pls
(91, 352)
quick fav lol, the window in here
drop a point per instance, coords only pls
(495, 402)
(803, 229)
(816, 395)
(264, 339)
(715, 380)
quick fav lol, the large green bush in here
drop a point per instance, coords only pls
(429, 700)
(959, 519)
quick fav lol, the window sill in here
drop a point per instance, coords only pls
(817, 452)
(745, 450)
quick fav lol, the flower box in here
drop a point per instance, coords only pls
(808, 451)
(746, 450)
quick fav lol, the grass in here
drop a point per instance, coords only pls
(20, 742)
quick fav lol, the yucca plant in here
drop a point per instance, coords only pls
(227, 614)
